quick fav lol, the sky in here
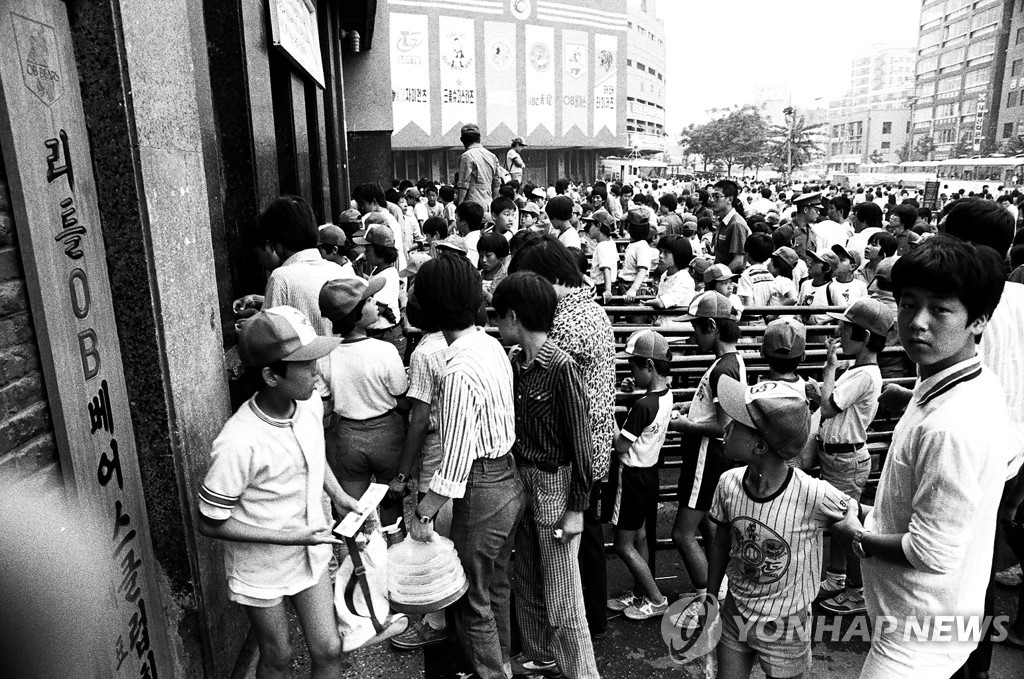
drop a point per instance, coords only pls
(717, 51)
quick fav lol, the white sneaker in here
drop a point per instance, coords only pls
(623, 601)
(646, 608)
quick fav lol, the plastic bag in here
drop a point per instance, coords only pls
(365, 569)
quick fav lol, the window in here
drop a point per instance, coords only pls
(886, 145)
(981, 48)
(1007, 130)
(887, 128)
(650, 70)
(985, 17)
(629, 62)
(979, 77)
(925, 90)
(1012, 98)
(957, 28)
(1017, 68)
(1020, 36)
(642, 67)
(951, 84)
(929, 40)
(951, 58)
(908, 127)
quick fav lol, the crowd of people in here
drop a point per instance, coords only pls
(373, 363)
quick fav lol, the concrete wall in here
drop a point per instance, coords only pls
(28, 450)
(368, 114)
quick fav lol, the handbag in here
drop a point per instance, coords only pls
(361, 594)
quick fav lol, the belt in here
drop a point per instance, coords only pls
(368, 419)
(840, 448)
(549, 467)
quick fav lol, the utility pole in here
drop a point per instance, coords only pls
(790, 114)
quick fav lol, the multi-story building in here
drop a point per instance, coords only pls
(1010, 125)
(961, 60)
(872, 122)
(552, 72)
(645, 79)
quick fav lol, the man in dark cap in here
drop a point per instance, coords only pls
(478, 170)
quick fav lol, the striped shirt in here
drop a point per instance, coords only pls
(775, 554)
(1002, 351)
(426, 366)
(552, 417)
(476, 418)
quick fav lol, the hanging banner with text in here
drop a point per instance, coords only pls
(500, 76)
(540, 78)
(575, 78)
(410, 71)
(457, 44)
(605, 82)
(46, 152)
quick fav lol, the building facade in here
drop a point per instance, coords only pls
(645, 79)
(959, 78)
(130, 172)
(1010, 126)
(872, 122)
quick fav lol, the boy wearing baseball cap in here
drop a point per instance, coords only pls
(261, 494)
(638, 447)
(847, 408)
(770, 519)
(715, 330)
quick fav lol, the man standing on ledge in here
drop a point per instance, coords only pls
(513, 161)
(478, 170)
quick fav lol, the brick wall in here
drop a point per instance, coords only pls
(27, 445)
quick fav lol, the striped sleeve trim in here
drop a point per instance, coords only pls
(216, 499)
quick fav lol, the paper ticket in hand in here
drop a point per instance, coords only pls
(348, 526)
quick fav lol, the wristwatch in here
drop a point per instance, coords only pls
(400, 478)
(858, 545)
(423, 519)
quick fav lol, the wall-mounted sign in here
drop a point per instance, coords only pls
(294, 31)
(49, 164)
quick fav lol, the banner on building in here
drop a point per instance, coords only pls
(575, 80)
(500, 76)
(457, 45)
(605, 83)
(540, 78)
(410, 71)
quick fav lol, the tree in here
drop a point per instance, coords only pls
(925, 147)
(964, 147)
(791, 146)
(700, 140)
(903, 153)
(876, 157)
(737, 138)
(1012, 146)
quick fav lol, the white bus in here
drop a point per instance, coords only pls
(974, 175)
(630, 170)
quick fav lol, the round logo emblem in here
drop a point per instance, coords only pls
(520, 8)
(540, 57)
(501, 55)
(691, 628)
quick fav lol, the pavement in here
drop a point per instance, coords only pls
(634, 649)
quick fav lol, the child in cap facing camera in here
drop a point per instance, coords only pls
(638, 448)
(848, 405)
(771, 518)
(261, 494)
(368, 383)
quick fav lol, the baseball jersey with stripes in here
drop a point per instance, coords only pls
(775, 554)
(476, 417)
(645, 428)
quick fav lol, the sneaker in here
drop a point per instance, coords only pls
(645, 608)
(418, 635)
(623, 601)
(686, 619)
(845, 603)
(1009, 577)
(521, 665)
(830, 587)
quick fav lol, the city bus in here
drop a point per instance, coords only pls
(974, 175)
(630, 170)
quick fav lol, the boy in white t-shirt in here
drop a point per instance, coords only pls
(605, 260)
(638, 447)
(817, 291)
(846, 288)
(847, 409)
(368, 384)
(262, 493)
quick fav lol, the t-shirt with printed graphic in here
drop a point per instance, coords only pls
(775, 555)
(704, 406)
(817, 296)
(645, 428)
(856, 396)
(843, 294)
